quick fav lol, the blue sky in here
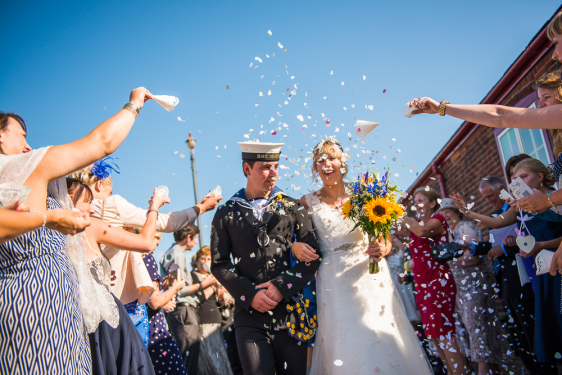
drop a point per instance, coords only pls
(68, 66)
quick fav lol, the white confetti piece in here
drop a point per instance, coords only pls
(269, 32)
(364, 78)
(338, 362)
(300, 117)
(257, 58)
(280, 45)
(182, 156)
(179, 119)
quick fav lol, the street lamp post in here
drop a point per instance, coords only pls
(191, 144)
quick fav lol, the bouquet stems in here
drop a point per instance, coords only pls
(374, 267)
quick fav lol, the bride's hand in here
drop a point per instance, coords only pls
(303, 252)
(376, 251)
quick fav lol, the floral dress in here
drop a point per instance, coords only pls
(162, 348)
(475, 302)
(435, 286)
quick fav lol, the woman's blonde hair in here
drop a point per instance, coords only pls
(328, 146)
(552, 81)
(430, 194)
(537, 166)
(554, 27)
(88, 178)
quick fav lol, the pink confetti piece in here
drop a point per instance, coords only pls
(289, 286)
(273, 132)
(383, 91)
(164, 353)
(242, 298)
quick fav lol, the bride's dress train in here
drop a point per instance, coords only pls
(362, 324)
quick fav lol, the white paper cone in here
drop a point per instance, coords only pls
(362, 128)
(166, 101)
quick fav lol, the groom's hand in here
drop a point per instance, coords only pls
(271, 291)
(262, 302)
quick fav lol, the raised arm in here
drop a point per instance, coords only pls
(120, 239)
(503, 220)
(102, 141)
(496, 116)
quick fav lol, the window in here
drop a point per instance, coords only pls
(524, 141)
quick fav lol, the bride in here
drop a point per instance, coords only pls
(362, 325)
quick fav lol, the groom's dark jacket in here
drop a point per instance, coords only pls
(233, 238)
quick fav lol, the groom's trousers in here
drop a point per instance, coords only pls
(269, 352)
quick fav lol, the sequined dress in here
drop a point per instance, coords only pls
(363, 327)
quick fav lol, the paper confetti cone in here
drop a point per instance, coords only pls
(166, 101)
(362, 128)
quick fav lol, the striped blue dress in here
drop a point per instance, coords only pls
(41, 327)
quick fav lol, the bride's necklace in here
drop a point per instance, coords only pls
(337, 202)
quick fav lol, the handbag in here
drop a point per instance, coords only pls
(445, 252)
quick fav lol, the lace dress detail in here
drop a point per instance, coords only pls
(356, 307)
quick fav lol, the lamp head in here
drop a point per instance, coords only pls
(190, 142)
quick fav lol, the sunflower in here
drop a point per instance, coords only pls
(346, 208)
(379, 210)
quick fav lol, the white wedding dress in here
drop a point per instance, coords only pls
(362, 324)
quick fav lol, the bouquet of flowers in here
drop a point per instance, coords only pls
(373, 207)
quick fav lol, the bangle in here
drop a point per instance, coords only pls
(442, 107)
(201, 288)
(44, 217)
(550, 200)
(132, 108)
(151, 210)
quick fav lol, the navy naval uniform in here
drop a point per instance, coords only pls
(240, 263)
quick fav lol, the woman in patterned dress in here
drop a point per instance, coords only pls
(117, 347)
(162, 347)
(474, 278)
(435, 286)
(42, 321)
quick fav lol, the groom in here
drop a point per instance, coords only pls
(256, 228)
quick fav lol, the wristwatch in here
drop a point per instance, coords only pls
(201, 287)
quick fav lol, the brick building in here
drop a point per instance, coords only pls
(476, 151)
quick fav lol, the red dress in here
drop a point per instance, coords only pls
(435, 286)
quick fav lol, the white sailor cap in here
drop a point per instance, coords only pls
(260, 151)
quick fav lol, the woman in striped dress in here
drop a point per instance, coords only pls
(45, 314)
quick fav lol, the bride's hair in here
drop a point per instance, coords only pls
(328, 146)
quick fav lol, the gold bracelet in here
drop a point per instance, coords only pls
(442, 107)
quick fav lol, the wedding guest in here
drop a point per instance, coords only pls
(511, 163)
(133, 285)
(435, 286)
(184, 320)
(16, 220)
(162, 347)
(547, 336)
(474, 278)
(38, 257)
(116, 345)
(213, 359)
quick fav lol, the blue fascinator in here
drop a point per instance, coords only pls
(102, 168)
